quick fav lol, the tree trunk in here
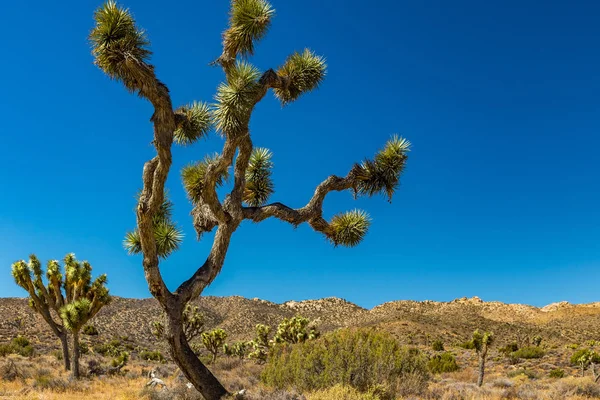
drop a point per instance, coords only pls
(193, 369)
(75, 365)
(481, 370)
(65, 349)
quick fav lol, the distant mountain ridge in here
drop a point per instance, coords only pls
(410, 321)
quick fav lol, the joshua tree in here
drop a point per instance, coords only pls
(260, 345)
(295, 330)
(537, 340)
(193, 324)
(237, 349)
(214, 341)
(45, 300)
(481, 343)
(121, 50)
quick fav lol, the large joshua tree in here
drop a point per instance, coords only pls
(121, 50)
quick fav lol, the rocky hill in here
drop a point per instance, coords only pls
(410, 321)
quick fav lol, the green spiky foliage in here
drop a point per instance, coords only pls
(249, 21)
(213, 341)
(259, 185)
(119, 47)
(193, 324)
(193, 176)
(237, 349)
(382, 175)
(166, 233)
(193, 123)
(302, 72)
(295, 330)
(536, 340)
(349, 228)
(235, 99)
(260, 345)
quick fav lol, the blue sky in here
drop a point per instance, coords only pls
(500, 198)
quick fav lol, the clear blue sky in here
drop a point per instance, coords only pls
(501, 102)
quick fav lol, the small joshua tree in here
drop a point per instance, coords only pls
(537, 340)
(73, 297)
(43, 298)
(193, 324)
(121, 50)
(214, 341)
(260, 345)
(295, 330)
(481, 344)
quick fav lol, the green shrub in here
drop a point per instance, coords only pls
(339, 392)
(359, 358)
(469, 345)
(19, 345)
(152, 356)
(557, 373)
(444, 362)
(437, 345)
(529, 352)
(509, 348)
(90, 330)
(524, 371)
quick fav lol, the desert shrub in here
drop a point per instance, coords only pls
(469, 345)
(340, 392)
(529, 352)
(509, 348)
(437, 345)
(90, 330)
(572, 346)
(152, 356)
(19, 345)
(557, 373)
(359, 358)
(84, 348)
(444, 362)
(57, 354)
(524, 371)
(43, 380)
(110, 349)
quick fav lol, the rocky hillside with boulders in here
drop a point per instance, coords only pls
(411, 322)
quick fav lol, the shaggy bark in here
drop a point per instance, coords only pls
(65, 349)
(75, 366)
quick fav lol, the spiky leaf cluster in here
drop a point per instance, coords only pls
(235, 99)
(259, 185)
(349, 228)
(167, 235)
(249, 22)
(193, 177)
(193, 324)
(295, 330)
(382, 175)
(119, 47)
(481, 341)
(193, 122)
(76, 314)
(237, 349)
(302, 73)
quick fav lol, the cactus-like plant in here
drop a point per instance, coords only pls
(213, 341)
(295, 330)
(237, 349)
(72, 297)
(481, 343)
(536, 340)
(261, 344)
